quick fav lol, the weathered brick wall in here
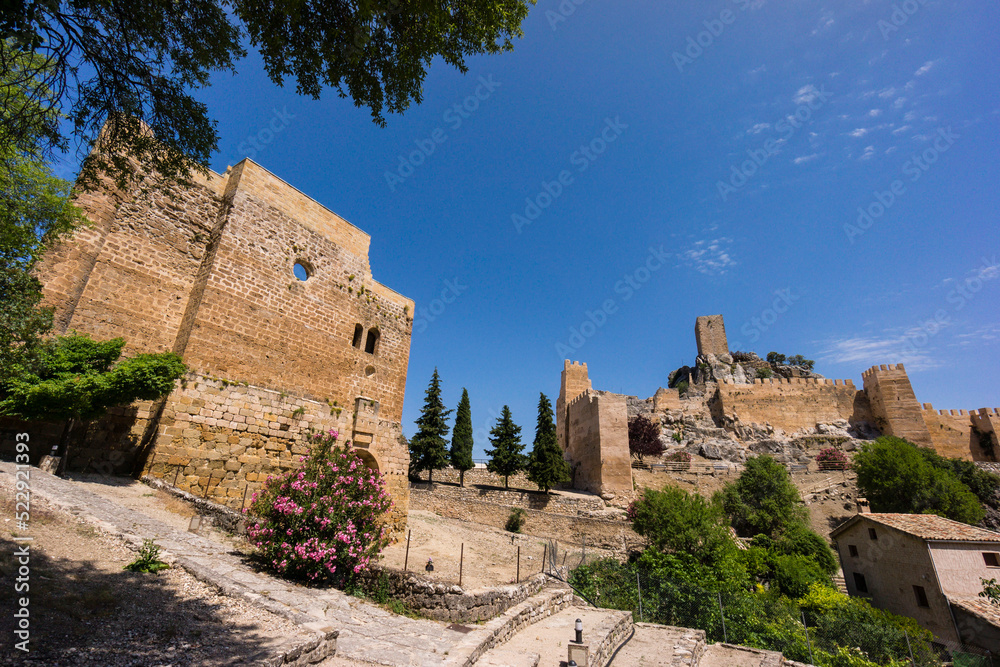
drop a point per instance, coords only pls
(535, 500)
(206, 271)
(570, 528)
(793, 404)
(950, 431)
(598, 443)
(710, 335)
(986, 422)
(221, 441)
(573, 382)
(894, 405)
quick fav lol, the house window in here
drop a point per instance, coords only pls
(371, 344)
(859, 583)
(853, 550)
(921, 596)
(359, 333)
(872, 534)
(991, 558)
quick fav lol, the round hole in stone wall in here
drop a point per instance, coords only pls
(369, 371)
(301, 271)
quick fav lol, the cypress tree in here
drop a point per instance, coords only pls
(546, 465)
(428, 448)
(461, 439)
(506, 458)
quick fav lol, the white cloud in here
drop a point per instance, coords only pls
(925, 68)
(805, 158)
(858, 133)
(868, 154)
(901, 129)
(875, 112)
(758, 128)
(888, 349)
(806, 94)
(886, 93)
(710, 257)
(898, 104)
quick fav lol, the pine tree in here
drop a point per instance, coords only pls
(428, 448)
(461, 439)
(546, 465)
(506, 458)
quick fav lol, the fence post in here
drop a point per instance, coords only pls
(722, 614)
(461, 562)
(406, 558)
(545, 554)
(518, 580)
(809, 643)
(909, 648)
(638, 587)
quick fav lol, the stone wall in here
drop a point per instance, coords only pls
(597, 443)
(950, 431)
(574, 381)
(207, 271)
(986, 423)
(710, 335)
(792, 404)
(894, 405)
(533, 500)
(570, 528)
(450, 602)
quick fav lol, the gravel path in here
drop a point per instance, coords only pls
(366, 633)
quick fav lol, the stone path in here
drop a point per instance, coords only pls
(366, 633)
(727, 655)
(661, 646)
(545, 642)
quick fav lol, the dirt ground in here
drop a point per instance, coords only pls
(85, 610)
(490, 556)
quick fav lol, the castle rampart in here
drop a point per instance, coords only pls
(793, 404)
(597, 437)
(710, 335)
(207, 270)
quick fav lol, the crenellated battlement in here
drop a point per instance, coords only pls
(797, 381)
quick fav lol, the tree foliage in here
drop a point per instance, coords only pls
(77, 377)
(546, 465)
(674, 520)
(506, 458)
(644, 437)
(130, 66)
(461, 438)
(35, 211)
(428, 448)
(896, 476)
(763, 500)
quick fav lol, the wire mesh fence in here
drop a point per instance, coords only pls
(850, 635)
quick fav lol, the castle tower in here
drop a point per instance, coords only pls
(894, 405)
(710, 334)
(574, 382)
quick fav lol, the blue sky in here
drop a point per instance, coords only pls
(718, 155)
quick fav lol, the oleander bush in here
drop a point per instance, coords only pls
(324, 521)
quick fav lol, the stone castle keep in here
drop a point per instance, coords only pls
(728, 405)
(208, 271)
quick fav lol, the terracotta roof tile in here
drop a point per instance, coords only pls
(980, 607)
(932, 527)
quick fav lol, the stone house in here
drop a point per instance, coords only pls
(926, 567)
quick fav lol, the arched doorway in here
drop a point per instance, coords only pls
(368, 459)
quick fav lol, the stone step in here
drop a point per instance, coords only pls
(840, 584)
(728, 655)
(660, 646)
(604, 630)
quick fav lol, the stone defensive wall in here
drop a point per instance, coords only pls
(569, 528)
(207, 270)
(534, 500)
(597, 424)
(794, 403)
(961, 434)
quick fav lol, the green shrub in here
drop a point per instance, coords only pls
(148, 560)
(678, 521)
(515, 520)
(763, 500)
(323, 521)
(794, 574)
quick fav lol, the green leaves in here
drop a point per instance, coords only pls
(896, 476)
(75, 376)
(674, 520)
(461, 440)
(506, 458)
(546, 465)
(428, 448)
(763, 500)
